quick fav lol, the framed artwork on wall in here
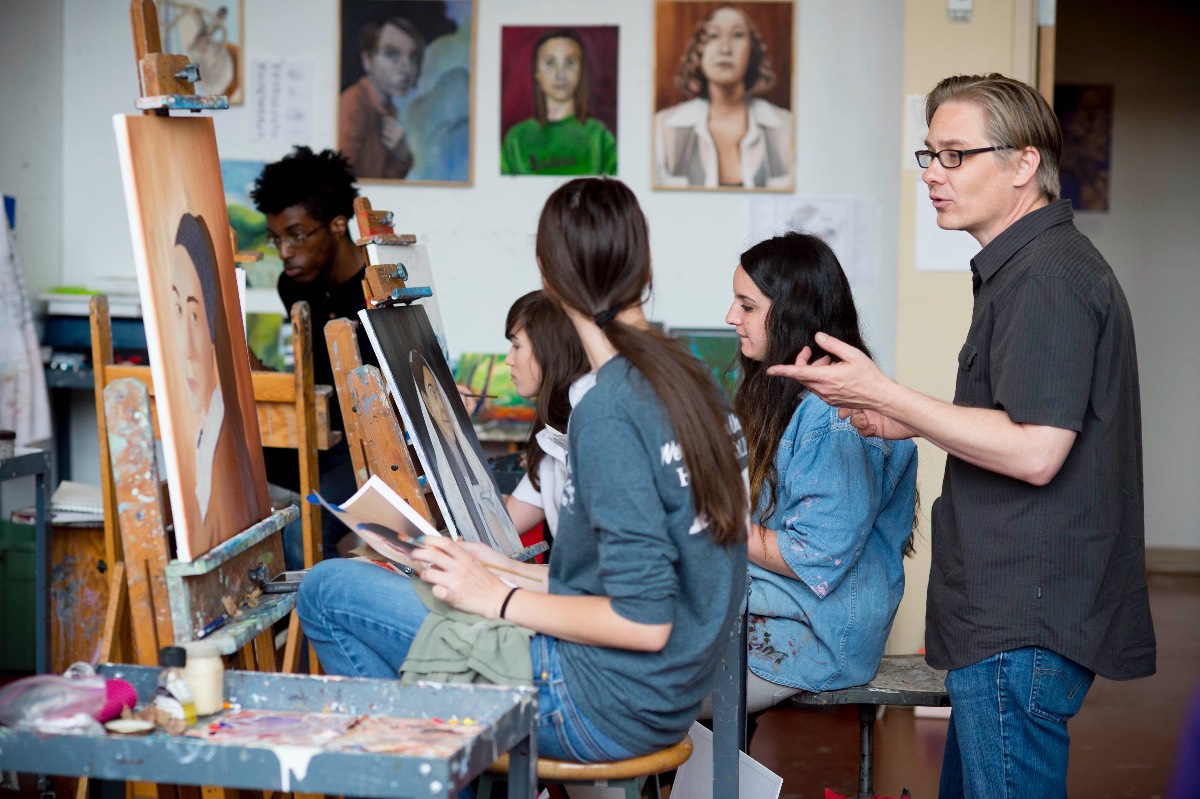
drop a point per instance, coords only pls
(558, 100)
(406, 83)
(1086, 116)
(210, 33)
(723, 95)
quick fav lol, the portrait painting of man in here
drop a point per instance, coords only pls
(723, 95)
(404, 112)
(436, 420)
(198, 357)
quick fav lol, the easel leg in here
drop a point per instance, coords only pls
(264, 650)
(291, 650)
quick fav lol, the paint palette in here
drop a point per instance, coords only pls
(273, 728)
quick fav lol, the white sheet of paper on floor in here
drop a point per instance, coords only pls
(694, 780)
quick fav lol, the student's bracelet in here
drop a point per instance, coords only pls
(504, 604)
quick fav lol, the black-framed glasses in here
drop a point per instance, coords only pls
(293, 240)
(950, 159)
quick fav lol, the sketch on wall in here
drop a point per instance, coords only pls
(198, 358)
(210, 33)
(404, 113)
(723, 95)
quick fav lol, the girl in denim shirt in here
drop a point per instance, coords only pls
(834, 511)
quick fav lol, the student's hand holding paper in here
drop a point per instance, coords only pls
(460, 579)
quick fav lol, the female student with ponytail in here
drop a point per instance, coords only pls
(649, 568)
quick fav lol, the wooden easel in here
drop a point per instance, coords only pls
(292, 414)
(373, 430)
(372, 424)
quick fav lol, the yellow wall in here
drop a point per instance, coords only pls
(934, 308)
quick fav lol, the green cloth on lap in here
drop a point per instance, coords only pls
(459, 647)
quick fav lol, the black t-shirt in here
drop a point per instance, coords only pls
(1063, 565)
(327, 301)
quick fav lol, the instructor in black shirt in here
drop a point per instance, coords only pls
(1038, 576)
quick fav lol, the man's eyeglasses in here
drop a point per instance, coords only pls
(294, 241)
(950, 159)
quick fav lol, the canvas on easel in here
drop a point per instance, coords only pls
(436, 421)
(197, 344)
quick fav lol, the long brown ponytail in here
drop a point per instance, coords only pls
(593, 248)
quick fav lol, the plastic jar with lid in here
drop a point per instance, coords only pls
(173, 694)
(205, 673)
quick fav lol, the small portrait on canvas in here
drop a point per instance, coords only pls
(558, 100)
(437, 422)
(209, 32)
(404, 112)
(723, 95)
(203, 395)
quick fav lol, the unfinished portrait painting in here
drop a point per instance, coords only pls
(435, 419)
(404, 112)
(723, 95)
(194, 333)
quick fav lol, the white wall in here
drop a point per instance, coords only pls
(1149, 234)
(31, 132)
(481, 239)
(31, 136)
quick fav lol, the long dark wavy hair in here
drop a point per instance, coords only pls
(593, 249)
(561, 359)
(809, 293)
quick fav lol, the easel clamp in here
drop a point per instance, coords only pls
(402, 296)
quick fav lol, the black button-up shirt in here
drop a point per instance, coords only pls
(1063, 565)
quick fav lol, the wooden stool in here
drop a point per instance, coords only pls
(625, 774)
(902, 680)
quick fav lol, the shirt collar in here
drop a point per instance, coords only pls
(989, 260)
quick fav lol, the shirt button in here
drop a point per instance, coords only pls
(545, 675)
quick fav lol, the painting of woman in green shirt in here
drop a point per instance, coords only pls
(561, 138)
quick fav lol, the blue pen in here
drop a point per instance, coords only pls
(213, 625)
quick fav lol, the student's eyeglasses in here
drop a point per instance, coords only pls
(950, 159)
(294, 241)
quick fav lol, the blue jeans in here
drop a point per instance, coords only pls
(1008, 732)
(361, 619)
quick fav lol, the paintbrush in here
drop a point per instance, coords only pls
(408, 543)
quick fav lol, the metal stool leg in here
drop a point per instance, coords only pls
(866, 753)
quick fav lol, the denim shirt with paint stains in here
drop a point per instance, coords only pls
(843, 515)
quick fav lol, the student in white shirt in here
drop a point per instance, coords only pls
(547, 363)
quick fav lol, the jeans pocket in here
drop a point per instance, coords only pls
(1059, 686)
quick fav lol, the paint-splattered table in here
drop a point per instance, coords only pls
(497, 719)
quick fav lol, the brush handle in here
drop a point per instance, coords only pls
(497, 567)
